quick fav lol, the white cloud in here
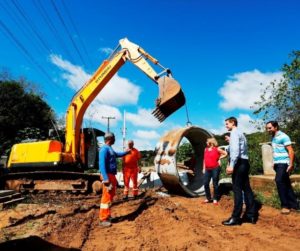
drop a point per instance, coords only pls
(74, 75)
(142, 144)
(244, 125)
(243, 89)
(118, 91)
(142, 118)
(142, 134)
(106, 50)
(96, 111)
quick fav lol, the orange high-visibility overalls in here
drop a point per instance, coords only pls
(130, 171)
(107, 198)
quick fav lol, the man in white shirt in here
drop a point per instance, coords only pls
(239, 168)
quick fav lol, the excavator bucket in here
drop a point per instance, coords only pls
(170, 99)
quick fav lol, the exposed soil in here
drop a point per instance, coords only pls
(152, 222)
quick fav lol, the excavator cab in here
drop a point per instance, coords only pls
(170, 98)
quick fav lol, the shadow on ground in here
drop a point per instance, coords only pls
(32, 243)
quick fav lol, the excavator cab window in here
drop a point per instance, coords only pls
(91, 147)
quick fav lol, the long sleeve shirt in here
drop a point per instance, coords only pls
(237, 146)
(108, 160)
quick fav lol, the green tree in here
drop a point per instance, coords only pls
(23, 113)
(281, 100)
(184, 151)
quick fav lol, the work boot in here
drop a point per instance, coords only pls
(105, 223)
(112, 219)
(285, 210)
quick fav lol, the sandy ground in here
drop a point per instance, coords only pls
(152, 222)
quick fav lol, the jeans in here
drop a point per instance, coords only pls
(241, 186)
(285, 191)
(214, 174)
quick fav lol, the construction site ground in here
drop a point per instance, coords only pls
(151, 222)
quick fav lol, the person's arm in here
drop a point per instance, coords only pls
(139, 154)
(234, 148)
(223, 154)
(102, 157)
(291, 153)
(234, 151)
(121, 154)
(203, 169)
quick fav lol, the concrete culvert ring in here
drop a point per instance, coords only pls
(171, 173)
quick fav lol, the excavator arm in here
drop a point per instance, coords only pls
(170, 97)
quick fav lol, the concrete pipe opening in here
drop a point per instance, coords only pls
(184, 178)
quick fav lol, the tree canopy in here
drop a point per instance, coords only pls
(23, 113)
(281, 100)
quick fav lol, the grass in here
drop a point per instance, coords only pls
(272, 198)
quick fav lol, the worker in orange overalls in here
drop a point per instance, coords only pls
(108, 170)
(131, 169)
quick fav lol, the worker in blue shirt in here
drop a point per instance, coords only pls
(108, 170)
(239, 169)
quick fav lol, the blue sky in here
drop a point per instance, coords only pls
(219, 51)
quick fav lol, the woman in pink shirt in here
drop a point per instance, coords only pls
(211, 168)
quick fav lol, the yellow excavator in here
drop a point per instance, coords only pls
(56, 165)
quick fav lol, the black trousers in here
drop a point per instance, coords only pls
(285, 191)
(241, 188)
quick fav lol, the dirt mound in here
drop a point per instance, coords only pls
(152, 222)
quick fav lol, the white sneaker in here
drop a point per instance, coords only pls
(105, 223)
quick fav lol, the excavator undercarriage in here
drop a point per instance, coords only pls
(41, 181)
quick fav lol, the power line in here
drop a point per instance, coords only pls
(76, 31)
(24, 50)
(10, 14)
(68, 32)
(31, 25)
(11, 36)
(51, 26)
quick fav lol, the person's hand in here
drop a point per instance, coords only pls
(229, 170)
(140, 170)
(107, 184)
(203, 170)
(290, 169)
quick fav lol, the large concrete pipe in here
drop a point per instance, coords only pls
(166, 164)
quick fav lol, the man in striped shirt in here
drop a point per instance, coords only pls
(283, 157)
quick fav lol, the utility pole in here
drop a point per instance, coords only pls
(108, 118)
(124, 130)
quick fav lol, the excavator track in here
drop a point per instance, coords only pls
(52, 181)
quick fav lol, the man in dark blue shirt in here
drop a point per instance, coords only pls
(108, 170)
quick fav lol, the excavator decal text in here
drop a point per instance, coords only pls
(103, 74)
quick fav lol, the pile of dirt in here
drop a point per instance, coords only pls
(151, 222)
